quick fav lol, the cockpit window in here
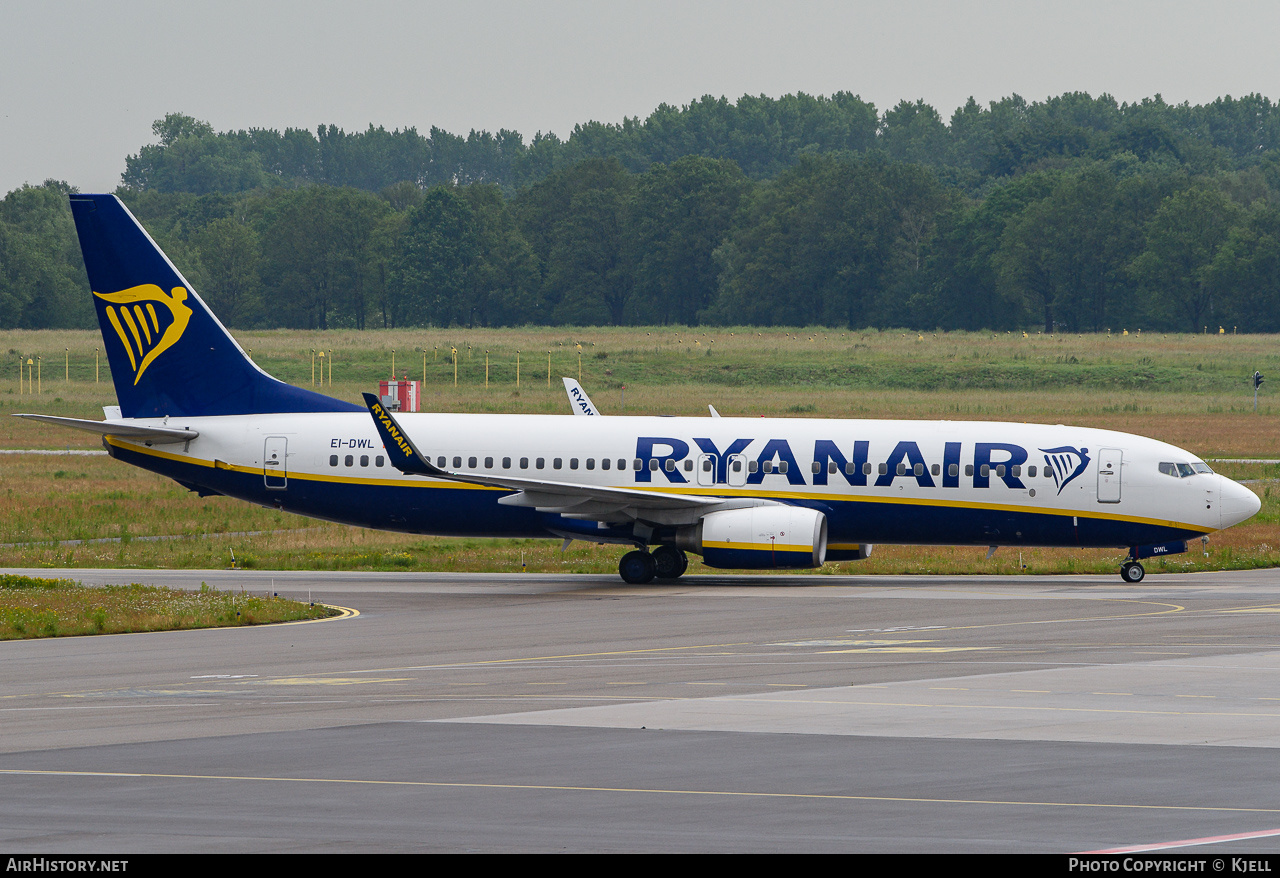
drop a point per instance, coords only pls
(1183, 470)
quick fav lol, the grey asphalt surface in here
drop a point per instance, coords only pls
(734, 713)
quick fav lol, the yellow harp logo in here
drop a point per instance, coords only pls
(148, 320)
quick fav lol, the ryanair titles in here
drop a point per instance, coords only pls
(390, 430)
(745, 462)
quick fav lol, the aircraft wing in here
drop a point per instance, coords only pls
(547, 496)
(578, 399)
(154, 435)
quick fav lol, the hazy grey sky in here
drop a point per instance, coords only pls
(81, 82)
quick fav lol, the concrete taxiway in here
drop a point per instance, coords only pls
(550, 713)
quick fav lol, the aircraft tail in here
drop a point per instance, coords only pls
(169, 354)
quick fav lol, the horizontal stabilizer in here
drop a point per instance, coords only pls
(156, 435)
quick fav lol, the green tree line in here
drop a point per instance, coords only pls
(1074, 214)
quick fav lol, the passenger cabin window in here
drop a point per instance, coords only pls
(379, 460)
(953, 470)
(364, 460)
(557, 463)
(457, 463)
(524, 463)
(471, 463)
(350, 461)
(591, 463)
(506, 463)
(604, 464)
(540, 463)
(333, 460)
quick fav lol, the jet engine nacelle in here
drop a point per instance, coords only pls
(759, 537)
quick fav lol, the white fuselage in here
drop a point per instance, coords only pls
(877, 481)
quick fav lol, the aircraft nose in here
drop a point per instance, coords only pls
(1238, 503)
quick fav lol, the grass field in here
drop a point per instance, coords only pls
(1190, 390)
(32, 607)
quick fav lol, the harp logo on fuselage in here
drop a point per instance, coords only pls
(147, 320)
(1066, 462)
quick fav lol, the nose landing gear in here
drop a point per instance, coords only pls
(1132, 571)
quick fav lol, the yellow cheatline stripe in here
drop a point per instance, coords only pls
(759, 547)
(572, 788)
(929, 502)
(696, 492)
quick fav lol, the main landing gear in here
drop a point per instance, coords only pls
(1132, 571)
(640, 566)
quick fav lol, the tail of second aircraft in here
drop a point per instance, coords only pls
(169, 354)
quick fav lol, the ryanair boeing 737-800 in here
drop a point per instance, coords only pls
(742, 493)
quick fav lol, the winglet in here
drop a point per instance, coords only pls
(582, 404)
(401, 451)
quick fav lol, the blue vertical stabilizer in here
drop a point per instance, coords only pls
(169, 354)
